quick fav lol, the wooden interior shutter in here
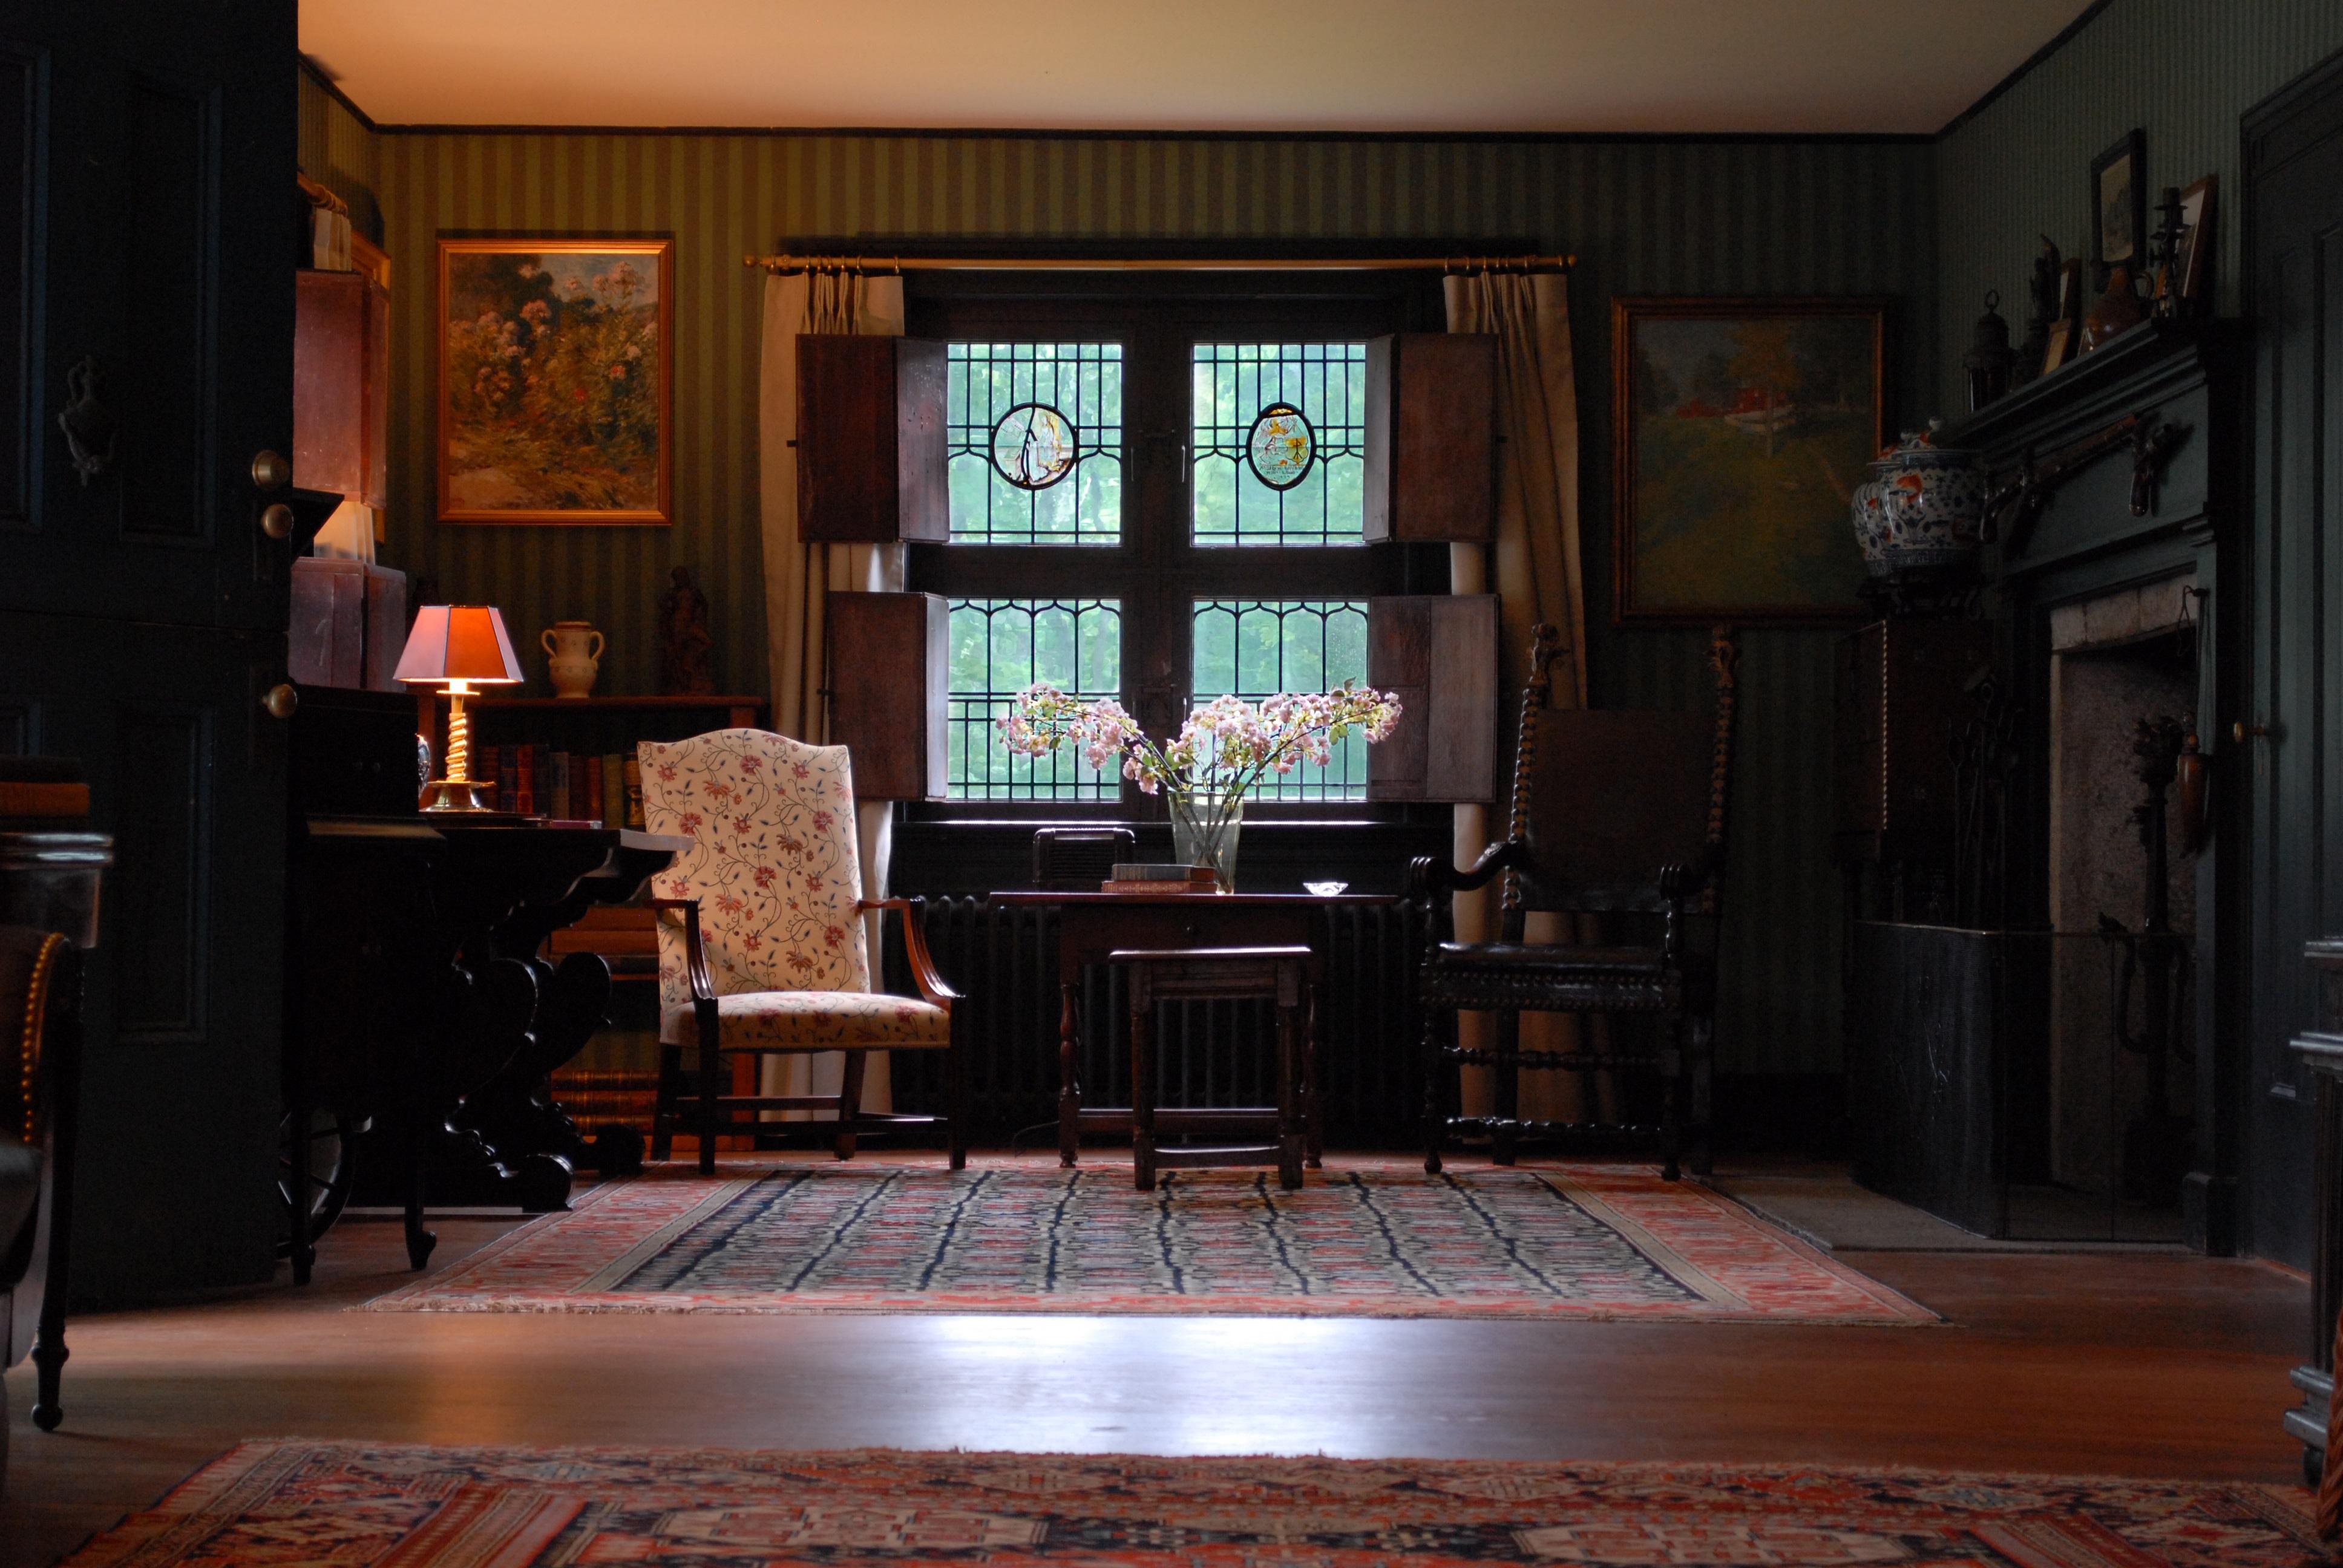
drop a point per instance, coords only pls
(888, 676)
(341, 385)
(1431, 423)
(870, 439)
(1439, 653)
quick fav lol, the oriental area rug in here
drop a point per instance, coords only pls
(367, 1505)
(1365, 1240)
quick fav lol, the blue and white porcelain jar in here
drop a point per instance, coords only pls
(1922, 509)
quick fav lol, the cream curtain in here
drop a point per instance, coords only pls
(1537, 564)
(799, 579)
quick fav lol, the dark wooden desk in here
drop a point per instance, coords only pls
(1092, 925)
(420, 1002)
(2321, 1049)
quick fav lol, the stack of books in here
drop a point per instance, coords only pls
(601, 1096)
(534, 780)
(1138, 879)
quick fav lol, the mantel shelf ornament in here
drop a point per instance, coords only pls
(2023, 494)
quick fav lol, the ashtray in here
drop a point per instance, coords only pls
(1325, 889)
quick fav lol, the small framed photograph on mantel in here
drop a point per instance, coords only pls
(2193, 267)
(556, 397)
(2119, 207)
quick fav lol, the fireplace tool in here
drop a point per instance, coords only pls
(2156, 1141)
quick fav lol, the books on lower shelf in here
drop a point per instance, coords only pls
(536, 780)
(1137, 879)
(600, 1096)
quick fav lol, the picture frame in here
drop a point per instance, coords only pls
(2070, 291)
(2119, 206)
(556, 380)
(2059, 347)
(2198, 213)
(1741, 426)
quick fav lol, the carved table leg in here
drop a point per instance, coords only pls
(1070, 1089)
(419, 1240)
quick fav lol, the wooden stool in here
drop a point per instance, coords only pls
(1279, 975)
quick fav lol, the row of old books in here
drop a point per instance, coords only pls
(604, 1096)
(534, 780)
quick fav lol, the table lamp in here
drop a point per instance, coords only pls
(456, 646)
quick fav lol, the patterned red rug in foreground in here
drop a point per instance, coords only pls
(1360, 1240)
(367, 1505)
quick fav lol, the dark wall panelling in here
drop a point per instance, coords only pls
(20, 152)
(2182, 70)
(1642, 217)
(161, 851)
(174, 145)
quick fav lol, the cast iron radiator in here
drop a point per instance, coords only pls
(1004, 962)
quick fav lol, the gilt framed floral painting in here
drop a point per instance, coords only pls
(1740, 428)
(556, 381)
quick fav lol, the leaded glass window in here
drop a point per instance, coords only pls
(1257, 647)
(1034, 442)
(1000, 646)
(1279, 443)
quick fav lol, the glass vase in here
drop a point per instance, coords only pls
(1204, 824)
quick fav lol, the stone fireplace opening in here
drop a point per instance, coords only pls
(2123, 692)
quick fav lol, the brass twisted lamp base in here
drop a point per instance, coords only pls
(457, 793)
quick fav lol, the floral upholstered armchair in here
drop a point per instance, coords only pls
(761, 944)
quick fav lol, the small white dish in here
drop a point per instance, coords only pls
(1325, 889)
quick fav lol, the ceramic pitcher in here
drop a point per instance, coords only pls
(573, 657)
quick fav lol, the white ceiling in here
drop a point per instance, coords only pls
(1457, 66)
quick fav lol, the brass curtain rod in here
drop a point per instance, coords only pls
(1159, 263)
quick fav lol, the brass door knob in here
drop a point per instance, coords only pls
(282, 700)
(271, 470)
(2242, 732)
(276, 520)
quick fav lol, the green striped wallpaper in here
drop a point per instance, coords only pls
(2184, 71)
(1643, 217)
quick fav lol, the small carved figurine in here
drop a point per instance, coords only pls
(685, 642)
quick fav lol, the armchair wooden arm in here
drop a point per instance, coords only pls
(932, 984)
(695, 952)
(1429, 876)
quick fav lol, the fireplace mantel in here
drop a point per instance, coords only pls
(2097, 534)
(2166, 378)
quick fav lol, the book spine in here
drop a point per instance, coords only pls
(614, 789)
(508, 779)
(557, 803)
(525, 782)
(634, 793)
(589, 798)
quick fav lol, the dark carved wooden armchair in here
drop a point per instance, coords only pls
(1617, 814)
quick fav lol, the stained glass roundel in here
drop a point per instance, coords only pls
(1033, 446)
(1280, 446)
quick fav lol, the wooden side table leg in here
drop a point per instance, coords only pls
(1290, 1092)
(1070, 1089)
(1313, 1089)
(1142, 1085)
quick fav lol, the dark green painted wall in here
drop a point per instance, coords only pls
(2183, 71)
(1642, 217)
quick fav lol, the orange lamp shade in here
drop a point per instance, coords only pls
(459, 645)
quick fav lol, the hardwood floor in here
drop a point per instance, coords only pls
(2148, 1364)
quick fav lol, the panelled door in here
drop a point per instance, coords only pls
(2291, 770)
(148, 234)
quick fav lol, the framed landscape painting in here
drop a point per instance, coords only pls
(1740, 429)
(555, 380)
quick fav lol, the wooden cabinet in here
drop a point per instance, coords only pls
(870, 441)
(1439, 653)
(2320, 1050)
(341, 385)
(1904, 688)
(1431, 426)
(888, 681)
